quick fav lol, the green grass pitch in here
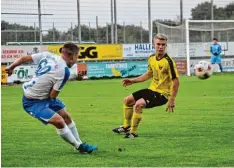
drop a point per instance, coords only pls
(199, 133)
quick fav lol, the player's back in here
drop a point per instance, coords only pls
(51, 69)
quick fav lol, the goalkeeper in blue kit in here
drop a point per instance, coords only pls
(216, 50)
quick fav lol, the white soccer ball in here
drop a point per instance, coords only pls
(203, 70)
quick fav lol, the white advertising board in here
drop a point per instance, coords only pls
(175, 50)
(25, 72)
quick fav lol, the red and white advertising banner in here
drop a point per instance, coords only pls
(11, 53)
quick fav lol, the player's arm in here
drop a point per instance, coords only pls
(175, 87)
(29, 58)
(54, 93)
(61, 80)
(220, 50)
(18, 62)
(141, 78)
(211, 49)
(173, 73)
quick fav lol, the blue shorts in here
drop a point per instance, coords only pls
(215, 60)
(43, 110)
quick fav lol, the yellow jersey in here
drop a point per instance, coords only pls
(164, 71)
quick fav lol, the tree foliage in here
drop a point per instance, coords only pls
(133, 33)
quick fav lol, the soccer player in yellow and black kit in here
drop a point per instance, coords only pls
(163, 88)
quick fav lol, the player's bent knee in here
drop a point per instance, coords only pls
(66, 116)
(139, 105)
(129, 100)
(57, 121)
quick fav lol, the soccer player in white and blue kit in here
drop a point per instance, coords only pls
(216, 50)
(40, 93)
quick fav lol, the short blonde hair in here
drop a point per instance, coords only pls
(160, 36)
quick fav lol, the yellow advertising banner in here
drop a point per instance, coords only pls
(94, 51)
(54, 48)
(4, 74)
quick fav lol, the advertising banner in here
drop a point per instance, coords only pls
(22, 73)
(137, 50)
(4, 74)
(11, 53)
(122, 69)
(82, 69)
(227, 64)
(198, 49)
(94, 51)
(25, 72)
(181, 66)
(175, 50)
(54, 49)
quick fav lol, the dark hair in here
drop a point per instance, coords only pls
(69, 48)
(215, 39)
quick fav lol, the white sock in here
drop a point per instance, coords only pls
(66, 134)
(74, 131)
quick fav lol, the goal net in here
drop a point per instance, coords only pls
(191, 41)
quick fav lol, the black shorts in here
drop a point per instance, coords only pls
(152, 99)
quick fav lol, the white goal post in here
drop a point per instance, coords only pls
(204, 26)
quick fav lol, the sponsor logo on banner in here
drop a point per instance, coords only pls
(88, 52)
(176, 49)
(137, 50)
(11, 53)
(100, 51)
(122, 69)
(94, 51)
(22, 73)
(4, 74)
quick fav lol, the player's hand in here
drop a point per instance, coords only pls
(9, 70)
(127, 82)
(170, 106)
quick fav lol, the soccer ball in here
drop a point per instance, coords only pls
(203, 70)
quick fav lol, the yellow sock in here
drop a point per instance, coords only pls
(128, 111)
(136, 118)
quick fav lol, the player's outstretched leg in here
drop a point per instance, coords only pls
(65, 133)
(220, 66)
(70, 123)
(86, 148)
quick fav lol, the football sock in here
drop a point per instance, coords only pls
(128, 111)
(66, 134)
(221, 68)
(74, 131)
(136, 118)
